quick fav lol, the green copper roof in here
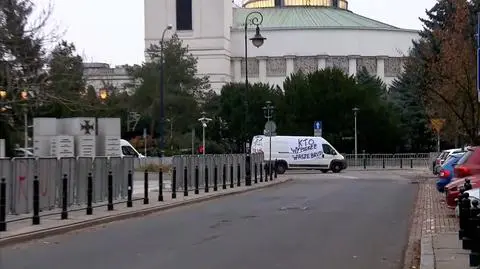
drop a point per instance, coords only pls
(309, 17)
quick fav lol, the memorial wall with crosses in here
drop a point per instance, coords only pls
(76, 137)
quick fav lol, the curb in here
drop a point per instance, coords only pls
(47, 232)
(427, 257)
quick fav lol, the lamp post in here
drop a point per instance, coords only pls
(3, 95)
(267, 112)
(24, 97)
(355, 111)
(170, 120)
(253, 18)
(204, 120)
(162, 109)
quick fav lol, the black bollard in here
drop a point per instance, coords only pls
(197, 191)
(129, 189)
(275, 169)
(401, 163)
(248, 170)
(89, 194)
(224, 177)
(411, 163)
(110, 191)
(36, 201)
(3, 205)
(266, 172)
(255, 172)
(174, 183)
(231, 176)
(207, 188)
(464, 211)
(470, 232)
(383, 163)
(160, 185)
(467, 185)
(270, 170)
(185, 181)
(239, 182)
(145, 188)
(64, 214)
(261, 171)
(215, 178)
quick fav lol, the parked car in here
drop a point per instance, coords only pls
(447, 170)
(440, 160)
(473, 194)
(467, 166)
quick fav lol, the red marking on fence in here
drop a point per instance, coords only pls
(21, 190)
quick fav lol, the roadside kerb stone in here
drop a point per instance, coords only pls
(24, 231)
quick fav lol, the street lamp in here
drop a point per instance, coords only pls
(355, 111)
(267, 112)
(204, 120)
(253, 18)
(162, 109)
(170, 120)
(24, 97)
(3, 96)
(103, 94)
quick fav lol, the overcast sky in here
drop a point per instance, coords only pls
(111, 31)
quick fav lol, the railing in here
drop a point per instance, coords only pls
(34, 185)
(389, 161)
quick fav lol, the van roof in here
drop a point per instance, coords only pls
(287, 137)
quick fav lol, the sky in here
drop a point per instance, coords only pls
(111, 31)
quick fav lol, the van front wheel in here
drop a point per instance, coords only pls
(281, 167)
(336, 167)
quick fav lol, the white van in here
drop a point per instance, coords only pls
(128, 150)
(300, 152)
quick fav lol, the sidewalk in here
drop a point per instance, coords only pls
(51, 224)
(435, 228)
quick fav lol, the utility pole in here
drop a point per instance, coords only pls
(355, 111)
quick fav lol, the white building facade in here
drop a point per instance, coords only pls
(101, 75)
(302, 35)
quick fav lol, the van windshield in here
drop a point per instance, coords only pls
(128, 151)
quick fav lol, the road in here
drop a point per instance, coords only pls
(316, 221)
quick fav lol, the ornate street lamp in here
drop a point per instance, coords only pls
(252, 18)
(162, 90)
(204, 120)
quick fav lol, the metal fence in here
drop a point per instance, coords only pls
(19, 174)
(389, 161)
(230, 165)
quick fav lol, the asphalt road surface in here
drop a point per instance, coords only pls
(317, 221)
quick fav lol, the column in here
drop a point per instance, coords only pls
(262, 69)
(290, 64)
(237, 69)
(322, 61)
(381, 67)
(352, 64)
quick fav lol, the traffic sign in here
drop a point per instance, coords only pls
(317, 128)
(270, 128)
(437, 124)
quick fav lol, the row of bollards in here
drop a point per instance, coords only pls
(258, 176)
(469, 220)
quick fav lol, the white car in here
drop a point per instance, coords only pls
(473, 194)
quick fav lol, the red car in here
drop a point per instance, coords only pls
(467, 166)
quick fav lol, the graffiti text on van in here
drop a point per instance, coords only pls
(307, 155)
(304, 145)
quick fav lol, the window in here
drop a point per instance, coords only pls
(328, 150)
(465, 157)
(184, 15)
(128, 151)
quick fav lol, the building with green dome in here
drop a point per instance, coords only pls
(302, 35)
